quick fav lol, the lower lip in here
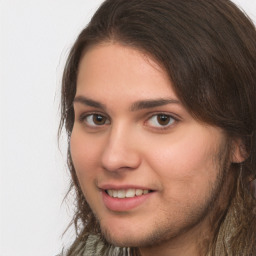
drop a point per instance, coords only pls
(124, 204)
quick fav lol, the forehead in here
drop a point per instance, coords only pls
(107, 67)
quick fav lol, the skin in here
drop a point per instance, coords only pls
(181, 160)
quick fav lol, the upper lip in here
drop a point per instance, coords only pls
(119, 187)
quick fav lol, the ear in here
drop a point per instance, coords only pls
(239, 153)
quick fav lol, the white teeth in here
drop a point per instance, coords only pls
(122, 193)
(130, 192)
(139, 192)
(115, 193)
(110, 192)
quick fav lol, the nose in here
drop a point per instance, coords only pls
(121, 150)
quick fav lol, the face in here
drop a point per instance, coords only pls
(149, 171)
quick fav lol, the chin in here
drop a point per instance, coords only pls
(122, 238)
(133, 237)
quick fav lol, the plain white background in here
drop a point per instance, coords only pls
(35, 37)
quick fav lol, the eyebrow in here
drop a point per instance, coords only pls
(138, 105)
(144, 104)
(89, 102)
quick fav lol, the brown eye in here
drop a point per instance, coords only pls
(99, 120)
(161, 121)
(94, 120)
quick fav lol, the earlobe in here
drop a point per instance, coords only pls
(239, 153)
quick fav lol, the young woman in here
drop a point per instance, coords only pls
(159, 104)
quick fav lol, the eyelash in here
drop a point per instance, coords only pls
(169, 117)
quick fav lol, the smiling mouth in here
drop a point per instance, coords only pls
(127, 193)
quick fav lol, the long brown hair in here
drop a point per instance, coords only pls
(208, 49)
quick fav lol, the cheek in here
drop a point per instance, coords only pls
(187, 167)
(85, 154)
